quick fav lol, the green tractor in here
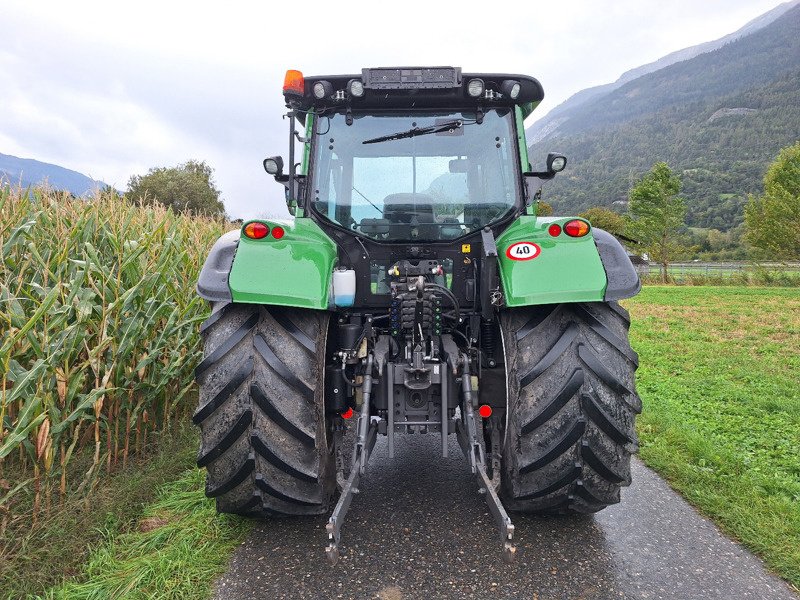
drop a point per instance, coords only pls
(415, 291)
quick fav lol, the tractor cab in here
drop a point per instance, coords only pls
(425, 176)
(415, 154)
(411, 163)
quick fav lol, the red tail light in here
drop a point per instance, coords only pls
(485, 411)
(256, 230)
(348, 414)
(278, 232)
(576, 228)
(554, 230)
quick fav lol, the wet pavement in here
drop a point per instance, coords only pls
(419, 529)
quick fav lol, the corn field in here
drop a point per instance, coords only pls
(98, 336)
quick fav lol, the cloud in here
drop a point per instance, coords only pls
(112, 89)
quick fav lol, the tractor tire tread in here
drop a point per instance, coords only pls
(265, 439)
(572, 407)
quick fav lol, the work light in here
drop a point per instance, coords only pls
(356, 88)
(322, 89)
(510, 88)
(273, 165)
(475, 87)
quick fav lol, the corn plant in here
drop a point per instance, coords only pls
(98, 334)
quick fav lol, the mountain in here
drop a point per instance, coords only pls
(26, 171)
(561, 113)
(717, 118)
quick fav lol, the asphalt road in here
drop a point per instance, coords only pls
(419, 529)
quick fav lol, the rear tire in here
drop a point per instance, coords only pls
(265, 441)
(572, 403)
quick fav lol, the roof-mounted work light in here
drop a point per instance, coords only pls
(356, 88)
(322, 89)
(475, 87)
(510, 88)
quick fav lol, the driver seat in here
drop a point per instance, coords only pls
(413, 211)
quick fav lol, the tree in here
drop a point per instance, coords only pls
(606, 219)
(656, 215)
(772, 219)
(187, 188)
(543, 209)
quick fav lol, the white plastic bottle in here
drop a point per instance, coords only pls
(344, 287)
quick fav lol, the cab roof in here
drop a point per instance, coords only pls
(412, 87)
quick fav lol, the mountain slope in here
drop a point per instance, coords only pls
(718, 119)
(27, 172)
(561, 113)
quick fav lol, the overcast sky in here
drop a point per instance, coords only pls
(112, 89)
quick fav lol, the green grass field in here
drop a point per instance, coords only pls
(720, 380)
(727, 274)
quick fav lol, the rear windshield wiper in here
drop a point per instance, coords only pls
(415, 131)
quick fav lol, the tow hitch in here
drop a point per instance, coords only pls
(466, 428)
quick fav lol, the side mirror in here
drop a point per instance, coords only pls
(556, 162)
(274, 166)
(535, 179)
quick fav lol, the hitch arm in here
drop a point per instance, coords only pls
(467, 434)
(334, 526)
(367, 432)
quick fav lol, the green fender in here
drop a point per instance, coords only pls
(294, 270)
(592, 268)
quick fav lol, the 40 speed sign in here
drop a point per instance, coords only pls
(523, 251)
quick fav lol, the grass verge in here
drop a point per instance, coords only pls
(179, 547)
(35, 558)
(758, 277)
(720, 382)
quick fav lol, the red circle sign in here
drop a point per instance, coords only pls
(523, 251)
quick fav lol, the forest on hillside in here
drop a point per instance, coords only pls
(718, 120)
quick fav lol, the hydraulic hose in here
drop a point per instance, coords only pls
(449, 294)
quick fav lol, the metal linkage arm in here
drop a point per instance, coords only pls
(365, 441)
(467, 433)
(334, 526)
